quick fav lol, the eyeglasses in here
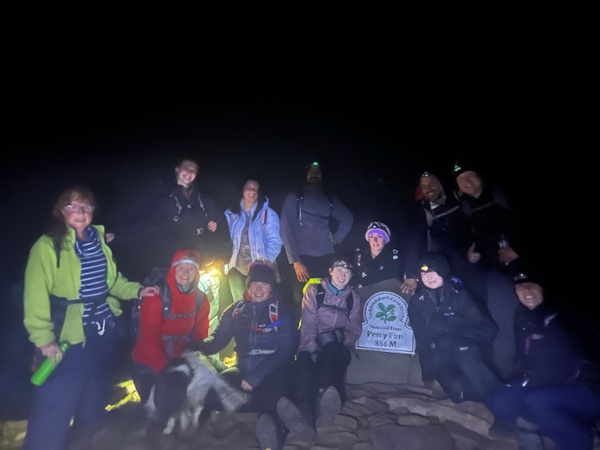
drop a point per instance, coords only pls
(87, 209)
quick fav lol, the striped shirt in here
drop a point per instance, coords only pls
(93, 280)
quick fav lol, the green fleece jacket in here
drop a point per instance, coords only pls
(43, 278)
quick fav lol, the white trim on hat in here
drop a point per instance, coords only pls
(186, 261)
(379, 228)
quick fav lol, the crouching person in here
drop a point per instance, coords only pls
(330, 326)
(556, 389)
(162, 338)
(264, 328)
(453, 335)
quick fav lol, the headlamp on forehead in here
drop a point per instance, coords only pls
(426, 268)
(343, 264)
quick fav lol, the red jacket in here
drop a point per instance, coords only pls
(151, 349)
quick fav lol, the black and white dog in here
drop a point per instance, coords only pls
(179, 393)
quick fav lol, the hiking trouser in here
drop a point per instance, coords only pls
(79, 389)
(464, 373)
(566, 414)
(263, 398)
(237, 284)
(143, 379)
(329, 370)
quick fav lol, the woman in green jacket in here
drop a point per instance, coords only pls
(72, 287)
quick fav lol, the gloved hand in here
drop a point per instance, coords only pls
(303, 357)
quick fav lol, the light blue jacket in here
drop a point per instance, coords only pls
(263, 233)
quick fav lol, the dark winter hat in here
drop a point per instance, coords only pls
(435, 262)
(461, 166)
(379, 228)
(529, 277)
(261, 271)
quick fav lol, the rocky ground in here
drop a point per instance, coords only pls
(376, 416)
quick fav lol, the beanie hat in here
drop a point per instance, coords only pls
(188, 256)
(461, 166)
(531, 277)
(262, 272)
(435, 262)
(379, 228)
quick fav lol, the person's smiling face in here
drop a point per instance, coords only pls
(185, 275)
(259, 291)
(470, 183)
(430, 187)
(186, 173)
(432, 279)
(376, 242)
(530, 294)
(78, 215)
(340, 277)
(250, 193)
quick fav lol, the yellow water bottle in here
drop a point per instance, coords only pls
(46, 368)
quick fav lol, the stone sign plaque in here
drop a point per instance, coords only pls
(385, 326)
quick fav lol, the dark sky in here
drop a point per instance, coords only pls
(377, 116)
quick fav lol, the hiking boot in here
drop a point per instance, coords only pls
(268, 433)
(294, 420)
(329, 405)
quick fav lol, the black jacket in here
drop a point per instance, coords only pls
(445, 229)
(388, 264)
(491, 217)
(548, 351)
(173, 221)
(447, 317)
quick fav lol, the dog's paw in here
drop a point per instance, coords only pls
(170, 426)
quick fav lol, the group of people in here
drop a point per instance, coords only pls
(483, 329)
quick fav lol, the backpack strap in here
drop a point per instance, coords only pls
(300, 201)
(57, 250)
(238, 308)
(201, 203)
(321, 297)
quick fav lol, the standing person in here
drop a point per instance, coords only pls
(497, 241)
(495, 255)
(556, 390)
(72, 287)
(378, 262)
(312, 224)
(453, 334)
(180, 216)
(164, 337)
(254, 231)
(265, 332)
(330, 326)
(438, 224)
